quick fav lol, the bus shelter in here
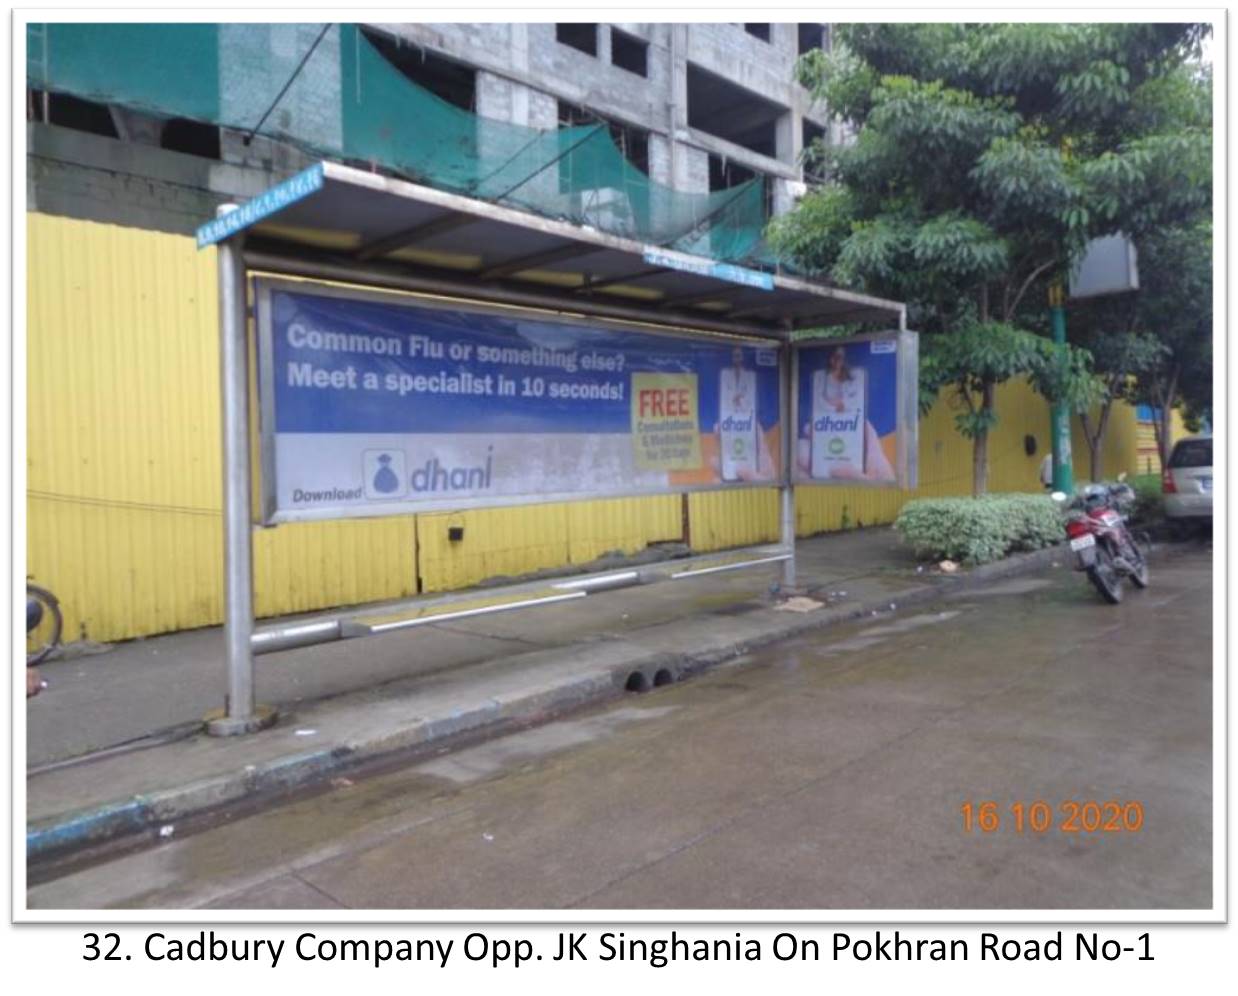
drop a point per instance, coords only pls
(412, 349)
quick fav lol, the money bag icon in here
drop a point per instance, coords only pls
(385, 480)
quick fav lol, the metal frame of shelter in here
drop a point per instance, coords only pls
(340, 224)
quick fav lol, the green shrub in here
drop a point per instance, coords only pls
(979, 530)
(1038, 519)
(1149, 506)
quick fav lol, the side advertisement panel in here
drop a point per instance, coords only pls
(381, 404)
(856, 411)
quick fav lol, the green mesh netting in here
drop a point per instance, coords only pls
(349, 103)
(130, 64)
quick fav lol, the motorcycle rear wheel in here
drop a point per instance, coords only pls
(1139, 576)
(1105, 576)
(45, 637)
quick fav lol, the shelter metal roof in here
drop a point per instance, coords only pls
(370, 228)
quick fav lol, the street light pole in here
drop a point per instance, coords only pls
(1063, 475)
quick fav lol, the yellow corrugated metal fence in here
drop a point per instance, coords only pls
(123, 501)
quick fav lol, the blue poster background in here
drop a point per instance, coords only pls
(882, 367)
(323, 336)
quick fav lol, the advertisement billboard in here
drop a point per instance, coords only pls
(379, 404)
(856, 410)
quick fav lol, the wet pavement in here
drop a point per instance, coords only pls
(104, 696)
(826, 772)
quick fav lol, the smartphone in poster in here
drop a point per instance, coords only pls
(737, 421)
(839, 417)
(856, 410)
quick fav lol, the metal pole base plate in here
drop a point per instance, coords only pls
(220, 724)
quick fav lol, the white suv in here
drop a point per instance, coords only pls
(1186, 481)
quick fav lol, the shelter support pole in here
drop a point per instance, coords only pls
(787, 490)
(240, 714)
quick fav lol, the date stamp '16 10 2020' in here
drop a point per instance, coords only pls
(1069, 816)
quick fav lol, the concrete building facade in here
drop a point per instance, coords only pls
(698, 107)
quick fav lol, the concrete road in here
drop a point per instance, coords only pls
(828, 772)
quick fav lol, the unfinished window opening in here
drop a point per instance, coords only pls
(74, 112)
(811, 36)
(35, 99)
(724, 174)
(193, 138)
(447, 80)
(720, 108)
(629, 52)
(632, 142)
(602, 192)
(582, 37)
(758, 31)
(812, 156)
(572, 116)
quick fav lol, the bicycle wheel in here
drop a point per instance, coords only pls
(44, 637)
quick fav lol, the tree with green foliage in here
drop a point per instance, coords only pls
(1119, 358)
(1175, 303)
(985, 157)
(1155, 346)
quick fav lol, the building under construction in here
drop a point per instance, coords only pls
(659, 130)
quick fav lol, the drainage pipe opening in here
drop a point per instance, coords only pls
(637, 682)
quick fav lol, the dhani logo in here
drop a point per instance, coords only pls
(828, 423)
(734, 424)
(435, 477)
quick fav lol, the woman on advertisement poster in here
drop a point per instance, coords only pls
(743, 450)
(839, 441)
(738, 433)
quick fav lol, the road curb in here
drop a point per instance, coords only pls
(65, 833)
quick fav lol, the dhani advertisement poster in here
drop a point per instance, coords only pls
(377, 404)
(856, 411)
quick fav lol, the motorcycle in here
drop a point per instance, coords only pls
(1101, 540)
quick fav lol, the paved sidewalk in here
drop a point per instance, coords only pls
(344, 702)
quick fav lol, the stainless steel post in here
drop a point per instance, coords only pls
(240, 714)
(787, 503)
